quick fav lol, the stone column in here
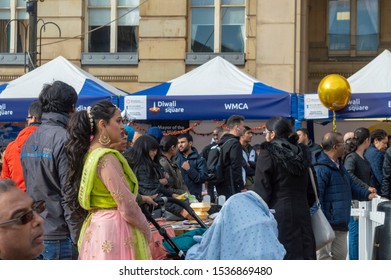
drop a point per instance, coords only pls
(162, 41)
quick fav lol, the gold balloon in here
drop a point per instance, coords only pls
(334, 92)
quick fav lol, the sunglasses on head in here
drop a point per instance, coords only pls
(37, 207)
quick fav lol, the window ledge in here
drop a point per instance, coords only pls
(352, 53)
(200, 58)
(129, 58)
(12, 59)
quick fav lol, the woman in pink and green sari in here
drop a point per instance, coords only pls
(115, 227)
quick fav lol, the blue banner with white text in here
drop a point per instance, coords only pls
(256, 106)
(361, 105)
(15, 109)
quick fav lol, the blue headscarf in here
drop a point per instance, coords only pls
(244, 230)
(130, 132)
(155, 132)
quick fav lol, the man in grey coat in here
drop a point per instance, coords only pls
(45, 170)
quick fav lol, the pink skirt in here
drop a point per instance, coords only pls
(108, 237)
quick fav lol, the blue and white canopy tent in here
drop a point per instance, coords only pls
(215, 90)
(371, 94)
(16, 96)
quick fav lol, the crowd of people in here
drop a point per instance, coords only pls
(72, 183)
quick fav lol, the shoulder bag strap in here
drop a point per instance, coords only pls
(314, 186)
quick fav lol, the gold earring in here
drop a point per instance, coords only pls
(104, 139)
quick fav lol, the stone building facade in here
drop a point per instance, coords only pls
(136, 44)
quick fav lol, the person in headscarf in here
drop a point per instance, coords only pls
(156, 132)
(244, 229)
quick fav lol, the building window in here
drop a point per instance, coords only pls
(353, 26)
(13, 26)
(114, 25)
(217, 26)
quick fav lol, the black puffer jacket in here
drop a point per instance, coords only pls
(149, 185)
(386, 182)
(148, 181)
(231, 151)
(282, 180)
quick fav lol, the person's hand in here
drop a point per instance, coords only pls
(186, 165)
(372, 189)
(186, 214)
(149, 199)
(166, 175)
(372, 196)
(163, 181)
(174, 195)
(244, 190)
(121, 145)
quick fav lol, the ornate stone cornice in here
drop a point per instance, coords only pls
(105, 78)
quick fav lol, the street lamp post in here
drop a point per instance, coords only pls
(31, 8)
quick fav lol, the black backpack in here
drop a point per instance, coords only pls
(215, 164)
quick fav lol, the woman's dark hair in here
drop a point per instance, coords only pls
(139, 154)
(360, 135)
(79, 134)
(282, 128)
(167, 142)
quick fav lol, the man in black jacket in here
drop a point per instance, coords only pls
(249, 156)
(210, 185)
(386, 182)
(232, 158)
(45, 170)
(193, 166)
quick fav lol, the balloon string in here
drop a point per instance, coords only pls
(334, 121)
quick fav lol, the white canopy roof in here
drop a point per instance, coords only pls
(216, 76)
(30, 85)
(375, 77)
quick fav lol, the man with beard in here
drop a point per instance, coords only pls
(193, 166)
(249, 156)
